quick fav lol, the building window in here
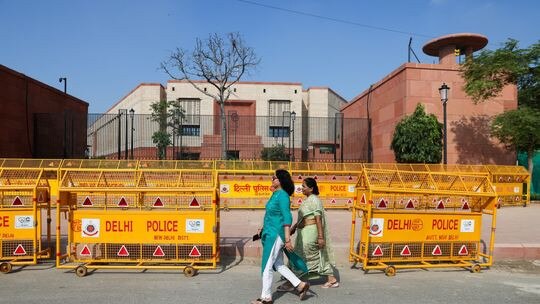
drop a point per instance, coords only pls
(190, 130)
(276, 131)
(279, 118)
(327, 149)
(192, 119)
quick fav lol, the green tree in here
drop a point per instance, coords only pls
(418, 138)
(220, 62)
(489, 72)
(276, 152)
(166, 114)
(161, 138)
(519, 130)
(176, 116)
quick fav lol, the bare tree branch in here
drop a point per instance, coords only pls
(219, 61)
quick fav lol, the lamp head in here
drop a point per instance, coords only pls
(443, 91)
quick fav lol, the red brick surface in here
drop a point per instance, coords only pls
(25, 135)
(397, 95)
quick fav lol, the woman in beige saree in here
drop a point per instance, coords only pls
(312, 242)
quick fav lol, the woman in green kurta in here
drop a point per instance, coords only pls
(313, 240)
(275, 236)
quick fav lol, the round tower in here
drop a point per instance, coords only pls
(445, 46)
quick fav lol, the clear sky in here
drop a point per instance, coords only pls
(107, 47)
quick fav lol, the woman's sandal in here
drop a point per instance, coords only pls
(285, 287)
(334, 284)
(261, 301)
(302, 292)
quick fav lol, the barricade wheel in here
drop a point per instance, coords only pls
(81, 271)
(390, 271)
(5, 267)
(189, 271)
(476, 268)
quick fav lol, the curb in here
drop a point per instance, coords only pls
(249, 250)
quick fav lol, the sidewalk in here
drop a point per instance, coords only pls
(517, 234)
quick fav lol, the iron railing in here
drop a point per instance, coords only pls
(124, 136)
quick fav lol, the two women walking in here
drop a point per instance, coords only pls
(276, 236)
(312, 243)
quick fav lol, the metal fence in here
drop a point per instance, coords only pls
(130, 136)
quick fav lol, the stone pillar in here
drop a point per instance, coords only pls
(468, 52)
(446, 55)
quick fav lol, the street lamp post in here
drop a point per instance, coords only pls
(293, 118)
(126, 147)
(64, 79)
(282, 131)
(132, 116)
(335, 137)
(339, 116)
(119, 117)
(443, 91)
(122, 112)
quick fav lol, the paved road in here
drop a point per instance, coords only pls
(506, 282)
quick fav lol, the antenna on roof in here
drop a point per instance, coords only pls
(411, 51)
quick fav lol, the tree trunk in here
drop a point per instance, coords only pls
(223, 130)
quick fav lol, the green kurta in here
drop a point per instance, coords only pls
(277, 215)
(306, 246)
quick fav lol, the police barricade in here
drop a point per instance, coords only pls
(512, 183)
(422, 219)
(154, 215)
(246, 184)
(24, 200)
(336, 182)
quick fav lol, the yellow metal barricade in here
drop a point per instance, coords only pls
(246, 184)
(142, 215)
(336, 182)
(512, 183)
(422, 219)
(24, 196)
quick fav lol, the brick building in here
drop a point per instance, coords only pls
(389, 100)
(259, 115)
(39, 121)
